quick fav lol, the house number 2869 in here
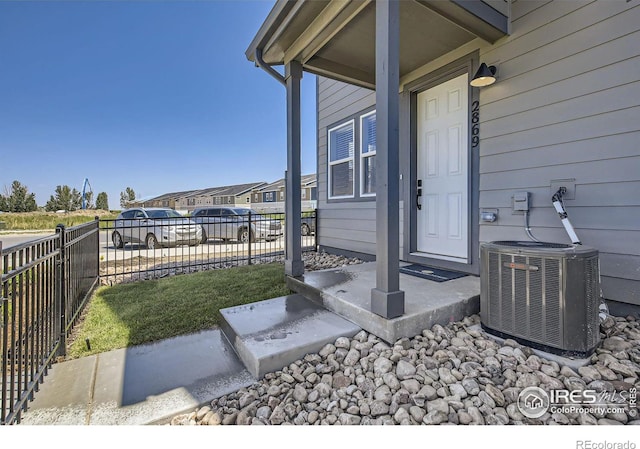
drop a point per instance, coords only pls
(475, 124)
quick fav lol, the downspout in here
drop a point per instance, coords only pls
(267, 68)
(293, 264)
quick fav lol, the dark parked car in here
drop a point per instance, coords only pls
(308, 226)
(232, 223)
(154, 227)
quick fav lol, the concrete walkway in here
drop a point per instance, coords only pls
(146, 384)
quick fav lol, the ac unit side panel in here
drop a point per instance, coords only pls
(583, 298)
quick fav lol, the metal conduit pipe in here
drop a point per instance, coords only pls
(267, 68)
(528, 228)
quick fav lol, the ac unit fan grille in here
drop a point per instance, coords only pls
(529, 304)
(495, 298)
(552, 301)
(545, 296)
(536, 306)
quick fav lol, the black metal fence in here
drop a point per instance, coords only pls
(45, 284)
(145, 248)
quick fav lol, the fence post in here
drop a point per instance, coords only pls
(315, 230)
(5, 333)
(97, 247)
(249, 240)
(62, 293)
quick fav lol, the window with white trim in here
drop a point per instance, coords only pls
(303, 194)
(368, 154)
(341, 160)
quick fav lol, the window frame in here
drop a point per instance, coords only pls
(364, 155)
(357, 196)
(352, 158)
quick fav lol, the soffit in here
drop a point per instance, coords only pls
(336, 38)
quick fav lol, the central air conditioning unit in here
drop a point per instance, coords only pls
(543, 295)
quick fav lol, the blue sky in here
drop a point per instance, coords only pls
(155, 95)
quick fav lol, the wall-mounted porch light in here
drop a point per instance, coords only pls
(485, 76)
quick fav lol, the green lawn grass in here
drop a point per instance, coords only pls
(142, 312)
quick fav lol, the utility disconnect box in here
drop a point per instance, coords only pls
(521, 201)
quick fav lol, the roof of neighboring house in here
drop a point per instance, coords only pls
(232, 190)
(305, 181)
(308, 180)
(142, 199)
(240, 188)
(171, 195)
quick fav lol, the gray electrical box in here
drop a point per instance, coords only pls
(521, 201)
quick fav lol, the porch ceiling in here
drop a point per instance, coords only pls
(336, 38)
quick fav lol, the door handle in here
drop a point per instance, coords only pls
(418, 199)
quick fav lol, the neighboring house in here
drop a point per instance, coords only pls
(565, 110)
(171, 200)
(190, 201)
(271, 197)
(234, 195)
(138, 202)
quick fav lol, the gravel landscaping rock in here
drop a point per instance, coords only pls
(450, 374)
(110, 270)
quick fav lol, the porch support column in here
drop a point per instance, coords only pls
(293, 265)
(387, 300)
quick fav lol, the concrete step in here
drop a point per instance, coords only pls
(269, 335)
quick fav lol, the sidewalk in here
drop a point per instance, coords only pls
(146, 384)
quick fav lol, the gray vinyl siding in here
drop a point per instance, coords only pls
(343, 224)
(348, 225)
(567, 106)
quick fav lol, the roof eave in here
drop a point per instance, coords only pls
(269, 26)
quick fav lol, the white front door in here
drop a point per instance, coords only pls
(442, 171)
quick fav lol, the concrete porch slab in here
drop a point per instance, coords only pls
(347, 292)
(271, 334)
